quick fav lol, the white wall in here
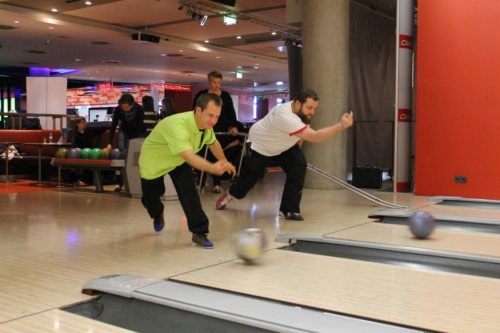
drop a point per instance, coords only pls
(46, 95)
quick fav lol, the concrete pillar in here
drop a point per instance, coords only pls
(325, 70)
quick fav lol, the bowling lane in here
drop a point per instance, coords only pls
(441, 239)
(58, 321)
(429, 300)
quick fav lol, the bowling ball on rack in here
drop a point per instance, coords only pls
(94, 153)
(115, 154)
(73, 153)
(104, 155)
(421, 224)
(250, 245)
(61, 153)
(85, 153)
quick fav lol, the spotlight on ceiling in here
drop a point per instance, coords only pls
(203, 20)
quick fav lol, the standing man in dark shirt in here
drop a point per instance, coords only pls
(227, 121)
(131, 118)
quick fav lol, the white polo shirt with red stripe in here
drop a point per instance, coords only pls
(276, 132)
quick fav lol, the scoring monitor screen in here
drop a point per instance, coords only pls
(97, 115)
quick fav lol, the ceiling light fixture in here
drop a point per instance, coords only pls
(54, 10)
(88, 3)
(232, 15)
(203, 20)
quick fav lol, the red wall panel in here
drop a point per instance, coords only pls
(458, 98)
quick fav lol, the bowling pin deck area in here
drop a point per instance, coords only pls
(53, 242)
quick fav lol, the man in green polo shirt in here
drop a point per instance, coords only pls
(171, 148)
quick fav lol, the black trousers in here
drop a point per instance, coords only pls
(291, 161)
(182, 177)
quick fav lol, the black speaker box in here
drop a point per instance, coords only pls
(226, 2)
(367, 177)
(146, 37)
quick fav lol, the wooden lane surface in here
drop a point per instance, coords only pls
(430, 300)
(58, 321)
(441, 239)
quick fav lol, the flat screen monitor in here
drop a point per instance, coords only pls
(98, 114)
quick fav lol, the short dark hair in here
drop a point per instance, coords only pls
(204, 99)
(79, 120)
(148, 103)
(305, 94)
(215, 74)
(126, 99)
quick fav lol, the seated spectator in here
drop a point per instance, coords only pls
(81, 138)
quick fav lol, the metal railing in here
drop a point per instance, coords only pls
(243, 153)
(17, 118)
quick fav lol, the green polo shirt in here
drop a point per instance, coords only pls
(171, 136)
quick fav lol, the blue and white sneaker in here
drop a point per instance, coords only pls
(202, 241)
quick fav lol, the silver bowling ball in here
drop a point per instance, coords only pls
(250, 245)
(421, 224)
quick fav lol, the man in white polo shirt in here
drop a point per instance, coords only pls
(275, 140)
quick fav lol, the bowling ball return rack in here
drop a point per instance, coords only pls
(404, 256)
(96, 166)
(153, 305)
(465, 202)
(452, 222)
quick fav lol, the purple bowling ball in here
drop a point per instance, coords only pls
(115, 154)
(421, 224)
(73, 153)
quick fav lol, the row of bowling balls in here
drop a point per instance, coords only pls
(89, 154)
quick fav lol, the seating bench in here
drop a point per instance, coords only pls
(96, 166)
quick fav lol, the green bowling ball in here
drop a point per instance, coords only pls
(85, 153)
(94, 153)
(61, 153)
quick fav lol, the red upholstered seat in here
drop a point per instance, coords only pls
(31, 136)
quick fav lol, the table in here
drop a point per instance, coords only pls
(40, 145)
(6, 180)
